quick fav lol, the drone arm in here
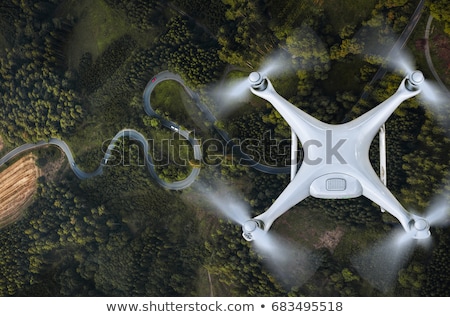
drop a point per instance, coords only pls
(388, 203)
(376, 117)
(295, 192)
(299, 121)
(375, 190)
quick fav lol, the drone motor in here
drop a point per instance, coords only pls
(249, 227)
(414, 80)
(420, 228)
(257, 81)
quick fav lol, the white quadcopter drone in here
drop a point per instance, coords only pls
(336, 158)
(335, 165)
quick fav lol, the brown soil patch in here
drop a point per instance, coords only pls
(330, 239)
(17, 186)
(310, 228)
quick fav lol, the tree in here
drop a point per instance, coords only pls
(246, 38)
(308, 51)
(440, 10)
(35, 89)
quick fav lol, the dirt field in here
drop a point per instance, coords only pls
(17, 186)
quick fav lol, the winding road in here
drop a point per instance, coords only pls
(207, 115)
(132, 135)
(136, 136)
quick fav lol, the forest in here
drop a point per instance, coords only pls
(64, 74)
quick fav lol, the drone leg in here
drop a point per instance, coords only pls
(383, 169)
(294, 153)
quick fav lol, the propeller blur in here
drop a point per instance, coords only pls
(289, 263)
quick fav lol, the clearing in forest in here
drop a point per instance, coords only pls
(17, 186)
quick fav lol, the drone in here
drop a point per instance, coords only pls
(336, 163)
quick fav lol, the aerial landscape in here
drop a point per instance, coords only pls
(127, 160)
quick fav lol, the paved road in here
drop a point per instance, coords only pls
(198, 156)
(132, 135)
(209, 117)
(136, 136)
(19, 150)
(62, 145)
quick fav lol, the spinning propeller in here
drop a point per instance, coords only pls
(388, 51)
(380, 264)
(237, 91)
(290, 264)
(302, 51)
(431, 94)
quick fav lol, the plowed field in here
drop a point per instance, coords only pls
(17, 186)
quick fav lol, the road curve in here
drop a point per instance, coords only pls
(136, 136)
(167, 75)
(132, 135)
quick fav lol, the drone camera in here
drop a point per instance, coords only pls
(414, 80)
(257, 81)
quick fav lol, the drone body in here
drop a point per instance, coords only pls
(336, 161)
